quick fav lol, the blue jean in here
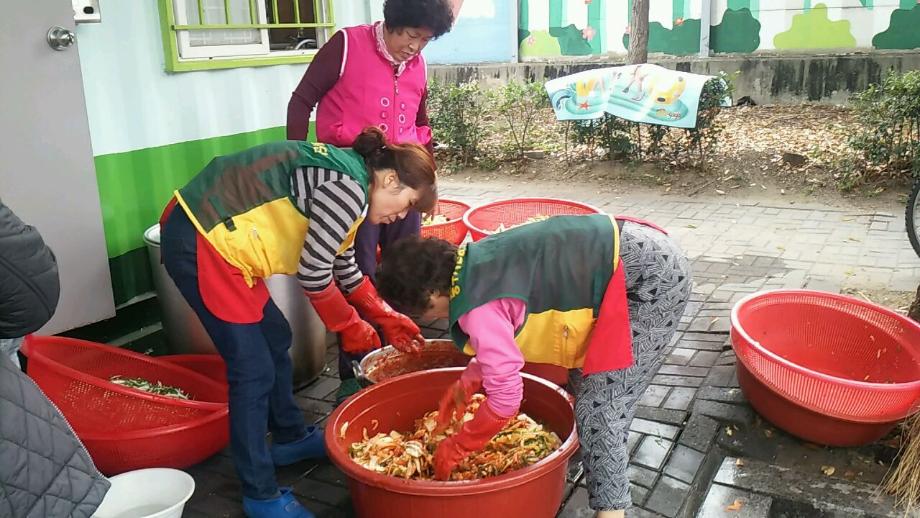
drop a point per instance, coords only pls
(367, 239)
(259, 369)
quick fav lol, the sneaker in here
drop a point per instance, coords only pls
(284, 506)
(310, 446)
(347, 388)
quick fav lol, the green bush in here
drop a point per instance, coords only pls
(519, 105)
(456, 113)
(614, 134)
(889, 116)
(624, 139)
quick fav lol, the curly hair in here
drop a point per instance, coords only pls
(435, 15)
(412, 270)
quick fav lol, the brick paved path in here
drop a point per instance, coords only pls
(736, 248)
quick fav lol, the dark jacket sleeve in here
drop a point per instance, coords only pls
(29, 283)
(320, 77)
(421, 120)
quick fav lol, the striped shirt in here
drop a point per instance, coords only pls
(333, 201)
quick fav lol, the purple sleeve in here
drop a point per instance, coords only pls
(320, 77)
(491, 329)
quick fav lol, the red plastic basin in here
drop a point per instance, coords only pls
(828, 368)
(124, 429)
(485, 219)
(533, 492)
(453, 230)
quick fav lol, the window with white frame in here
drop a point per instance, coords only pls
(222, 29)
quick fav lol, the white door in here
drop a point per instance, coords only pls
(46, 159)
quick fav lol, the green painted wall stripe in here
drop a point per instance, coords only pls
(134, 186)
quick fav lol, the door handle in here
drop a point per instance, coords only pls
(60, 38)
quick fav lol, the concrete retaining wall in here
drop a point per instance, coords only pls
(767, 79)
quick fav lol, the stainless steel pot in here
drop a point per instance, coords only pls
(186, 335)
(387, 362)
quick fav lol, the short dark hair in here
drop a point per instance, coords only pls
(435, 15)
(413, 269)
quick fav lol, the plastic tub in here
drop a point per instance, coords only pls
(74, 374)
(485, 219)
(454, 229)
(125, 429)
(819, 364)
(532, 492)
(147, 493)
(176, 446)
(802, 422)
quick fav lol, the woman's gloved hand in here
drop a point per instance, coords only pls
(455, 400)
(473, 436)
(399, 329)
(357, 335)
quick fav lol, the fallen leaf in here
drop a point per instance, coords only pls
(729, 432)
(735, 506)
(739, 462)
(768, 433)
(828, 470)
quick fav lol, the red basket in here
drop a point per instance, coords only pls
(74, 374)
(177, 446)
(485, 219)
(830, 354)
(454, 230)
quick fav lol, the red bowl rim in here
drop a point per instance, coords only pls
(471, 226)
(736, 327)
(74, 374)
(149, 433)
(443, 488)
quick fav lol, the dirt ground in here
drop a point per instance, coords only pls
(786, 152)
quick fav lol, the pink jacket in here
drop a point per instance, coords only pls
(363, 97)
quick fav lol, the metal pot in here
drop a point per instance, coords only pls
(387, 362)
(186, 335)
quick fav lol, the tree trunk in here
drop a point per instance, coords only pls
(638, 33)
(914, 311)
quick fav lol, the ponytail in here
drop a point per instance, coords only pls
(369, 141)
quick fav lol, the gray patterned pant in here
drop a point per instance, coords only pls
(657, 288)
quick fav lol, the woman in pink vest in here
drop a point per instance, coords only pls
(372, 75)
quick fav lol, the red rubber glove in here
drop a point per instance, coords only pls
(399, 329)
(357, 335)
(473, 436)
(455, 400)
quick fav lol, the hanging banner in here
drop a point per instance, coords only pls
(640, 93)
